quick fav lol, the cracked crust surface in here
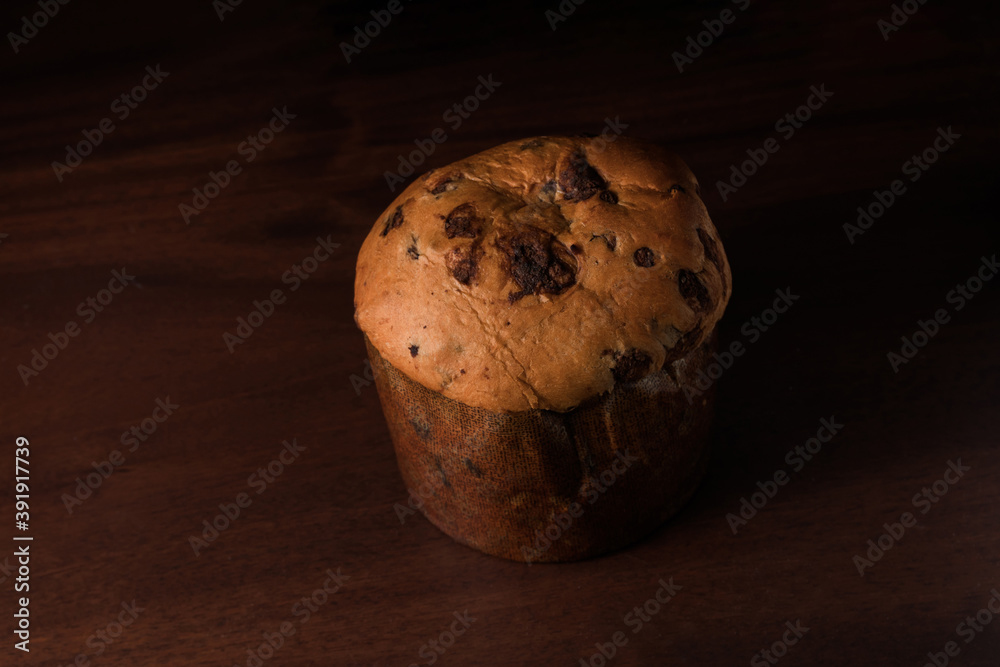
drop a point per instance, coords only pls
(539, 273)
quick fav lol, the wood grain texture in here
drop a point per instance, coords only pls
(332, 506)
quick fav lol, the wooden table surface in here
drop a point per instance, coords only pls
(117, 575)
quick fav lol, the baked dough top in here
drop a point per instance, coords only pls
(539, 273)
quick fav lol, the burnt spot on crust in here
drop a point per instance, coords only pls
(414, 349)
(533, 143)
(693, 290)
(630, 365)
(609, 197)
(576, 249)
(445, 184)
(393, 221)
(644, 257)
(463, 262)
(537, 263)
(609, 239)
(580, 181)
(549, 188)
(463, 221)
(713, 255)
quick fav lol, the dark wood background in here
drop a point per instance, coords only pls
(323, 176)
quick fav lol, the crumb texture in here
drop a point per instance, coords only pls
(542, 272)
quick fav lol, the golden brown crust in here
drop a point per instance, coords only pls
(538, 273)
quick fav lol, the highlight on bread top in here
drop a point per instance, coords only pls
(532, 312)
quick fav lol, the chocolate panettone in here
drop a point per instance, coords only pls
(532, 314)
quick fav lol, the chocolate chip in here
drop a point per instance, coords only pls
(576, 249)
(644, 257)
(533, 143)
(711, 248)
(412, 251)
(537, 263)
(462, 221)
(609, 197)
(463, 262)
(713, 255)
(393, 221)
(630, 365)
(549, 187)
(693, 290)
(414, 349)
(677, 188)
(610, 239)
(580, 181)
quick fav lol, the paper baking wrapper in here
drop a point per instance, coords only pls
(544, 486)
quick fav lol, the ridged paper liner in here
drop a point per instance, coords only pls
(534, 485)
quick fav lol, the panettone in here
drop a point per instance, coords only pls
(532, 314)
